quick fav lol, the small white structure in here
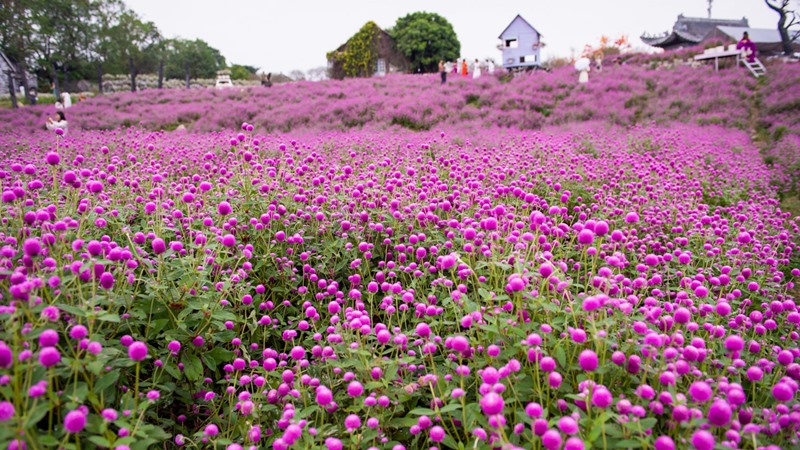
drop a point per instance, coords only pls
(521, 45)
(223, 80)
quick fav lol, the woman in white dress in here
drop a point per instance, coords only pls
(476, 69)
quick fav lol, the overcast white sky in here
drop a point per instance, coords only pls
(281, 36)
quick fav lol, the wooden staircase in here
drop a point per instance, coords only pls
(755, 67)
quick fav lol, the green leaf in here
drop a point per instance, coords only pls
(192, 367)
(627, 443)
(106, 381)
(450, 407)
(36, 415)
(109, 317)
(48, 440)
(648, 423)
(100, 441)
(422, 411)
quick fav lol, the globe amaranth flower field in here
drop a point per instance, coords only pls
(500, 272)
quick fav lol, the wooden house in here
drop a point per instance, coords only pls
(384, 57)
(521, 45)
(7, 66)
(691, 31)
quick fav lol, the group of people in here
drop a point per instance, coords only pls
(461, 66)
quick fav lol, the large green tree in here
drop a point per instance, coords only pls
(134, 45)
(192, 59)
(425, 38)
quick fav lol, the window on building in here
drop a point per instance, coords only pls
(512, 43)
(381, 67)
(527, 58)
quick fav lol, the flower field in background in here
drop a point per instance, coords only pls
(394, 264)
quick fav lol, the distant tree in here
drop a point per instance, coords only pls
(241, 72)
(132, 43)
(425, 38)
(788, 21)
(317, 74)
(607, 47)
(297, 75)
(192, 59)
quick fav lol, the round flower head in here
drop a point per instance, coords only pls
(782, 392)
(700, 391)
(49, 356)
(551, 439)
(352, 422)
(664, 443)
(703, 440)
(74, 421)
(437, 434)
(137, 351)
(719, 414)
(588, 360)
(7, 411)
(492, 403)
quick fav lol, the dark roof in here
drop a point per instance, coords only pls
(383, 32)
(690, 30)
(522, 19)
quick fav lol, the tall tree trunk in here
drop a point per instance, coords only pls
(56, 88)
(186, 72)
(161, 74)
(786, 41)
(100, 76)
(23, 76)
(66, 76)
(133, 73)
(12, 90)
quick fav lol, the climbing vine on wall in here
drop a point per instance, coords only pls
(360, 54)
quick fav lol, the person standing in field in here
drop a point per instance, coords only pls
(464, 67)
(747, 47)
(489, 66)
(476, 69)
(443, 71)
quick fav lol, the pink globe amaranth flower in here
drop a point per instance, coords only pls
(574, 443)
(106, 280)
(601, 397)
(174, 346)
(6, 356)
(52, 158)
(211, 430)
(700, 391)
(355, 388)
(782, 392)
(703, 440)
(734, 343)
(588, 360)
(48, 338)
(228, 240)
(492, 403)
(332, 443)
(74, 421)
(437, 434)
(324, 396)
(59, 132)
(109, 414)
(568, 425)
(224, 208)
(352, 422)
(32, 247)
(49, 356)
(664, 443)
(7, 411)
(423, 330)
(585, 237)
(719, 414)
(137, 351)
(551, 439)
(159, 246)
